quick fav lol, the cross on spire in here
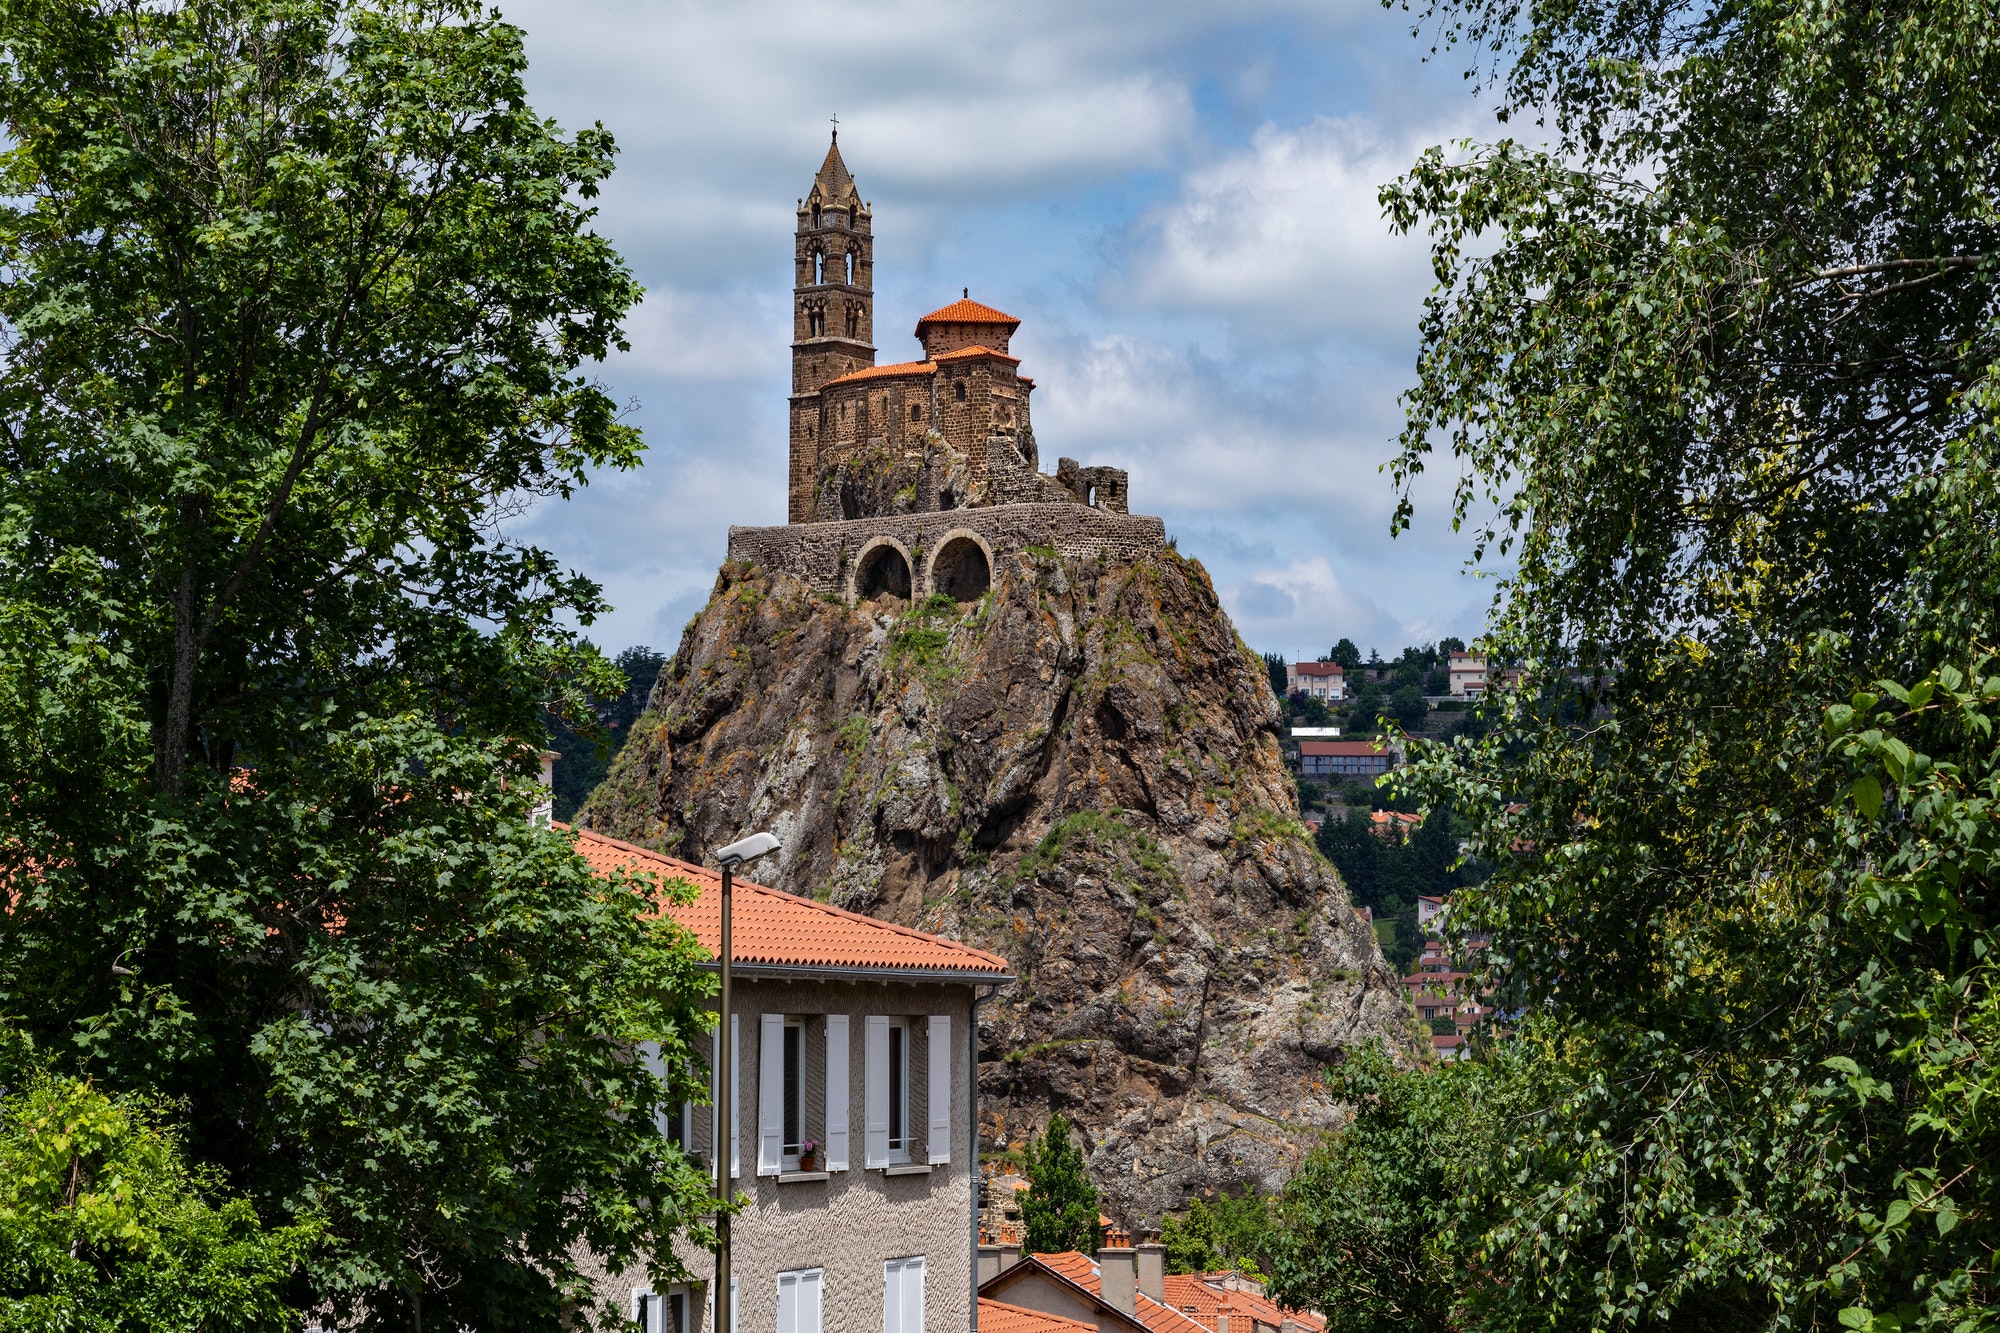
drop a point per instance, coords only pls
(836, 127)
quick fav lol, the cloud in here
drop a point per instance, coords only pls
(1287, 239)
(1302, 602)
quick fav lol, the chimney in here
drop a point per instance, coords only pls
(1117, 1276)
(1010, 1252)
(990, 1262)
(1152, 1266)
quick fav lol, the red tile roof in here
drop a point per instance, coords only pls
(999, 1317)
(1202, 1297)
(976, 350)
(1081, 1269)
(879, 372)
(779, 929)
(967, 312)
(1318, 668)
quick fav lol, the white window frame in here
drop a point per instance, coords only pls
(807, 1312)
(899, 1083)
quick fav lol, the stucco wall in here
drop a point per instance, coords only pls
(851, 1223)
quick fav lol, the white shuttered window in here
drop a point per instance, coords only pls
(938, 1135)
(798, 1301)
(836, 1092)
(903, 1295)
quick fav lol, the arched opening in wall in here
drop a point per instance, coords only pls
(960, 571)
(947, 498)
(850, 267)
(916, 411)
(850, 502)
(853, 321)
(1090, 495)
(819, 268)
(815, 215)
(882, 570)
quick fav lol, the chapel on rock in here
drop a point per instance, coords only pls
(914, 478)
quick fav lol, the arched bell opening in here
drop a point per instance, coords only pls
(962, 569)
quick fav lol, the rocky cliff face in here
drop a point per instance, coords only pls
(1079, 771)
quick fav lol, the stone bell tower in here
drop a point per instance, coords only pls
(833, 308)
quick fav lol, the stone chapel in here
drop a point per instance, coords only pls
(882, 455)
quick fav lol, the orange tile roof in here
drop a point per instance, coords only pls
(976, 350)
(1082, 1270)
(999, 1317)
(878, 372)
(1194, 1295)
(778, 929)
(967, 312)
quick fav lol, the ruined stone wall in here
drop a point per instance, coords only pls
(822, 555)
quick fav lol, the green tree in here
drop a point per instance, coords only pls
(1721, 358)
(1407, 704)
(1230, 1231)
(1059, 1209)
(1274, 667)
(588, 745)
(296, 294)
(104, 1224)
(1346, 654)
(1365, 1227)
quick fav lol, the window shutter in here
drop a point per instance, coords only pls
(809, 1301)
(663, 1116)
(938, 1139)
(876, 1069)
(788, 1303)
(836, 1092)
(735, 1112)
(892, 1297)
(771, 1096)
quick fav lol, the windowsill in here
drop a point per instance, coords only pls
(800, 1177)
(907, 1169)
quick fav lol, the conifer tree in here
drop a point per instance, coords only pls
(1059, 1210)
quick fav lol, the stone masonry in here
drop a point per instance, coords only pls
(950, 434)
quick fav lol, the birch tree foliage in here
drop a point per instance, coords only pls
(298, 300)
(1713, 354)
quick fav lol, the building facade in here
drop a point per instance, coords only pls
(1325, 681)
(912, 479)
(1468, 675)
(1344, 759)
(853, 1090)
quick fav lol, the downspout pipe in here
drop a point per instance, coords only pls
(972, 1061)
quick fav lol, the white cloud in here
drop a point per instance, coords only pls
(1287, 236)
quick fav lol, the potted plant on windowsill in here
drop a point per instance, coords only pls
(809, 1155)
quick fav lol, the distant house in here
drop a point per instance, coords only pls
(1468, 676)
(1429, 910)
(1367, 915)
(1126, 1289)
(1324, 681)
(1394, 826)
(1344, 759)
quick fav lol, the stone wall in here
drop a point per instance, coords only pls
(825, 556)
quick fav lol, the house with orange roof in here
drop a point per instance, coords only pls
(1126, 1289)
(852, 1094)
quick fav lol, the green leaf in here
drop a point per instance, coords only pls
(1867, 794)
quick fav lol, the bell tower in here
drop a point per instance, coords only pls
(833, 308)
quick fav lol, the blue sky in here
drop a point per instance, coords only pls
(1178, 200)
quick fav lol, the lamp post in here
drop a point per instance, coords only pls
(732, 856)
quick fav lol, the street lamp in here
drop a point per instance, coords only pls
(732, 856)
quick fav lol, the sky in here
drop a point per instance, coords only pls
(1178, 200)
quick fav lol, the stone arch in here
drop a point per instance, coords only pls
(883, 565)
(961, 567)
